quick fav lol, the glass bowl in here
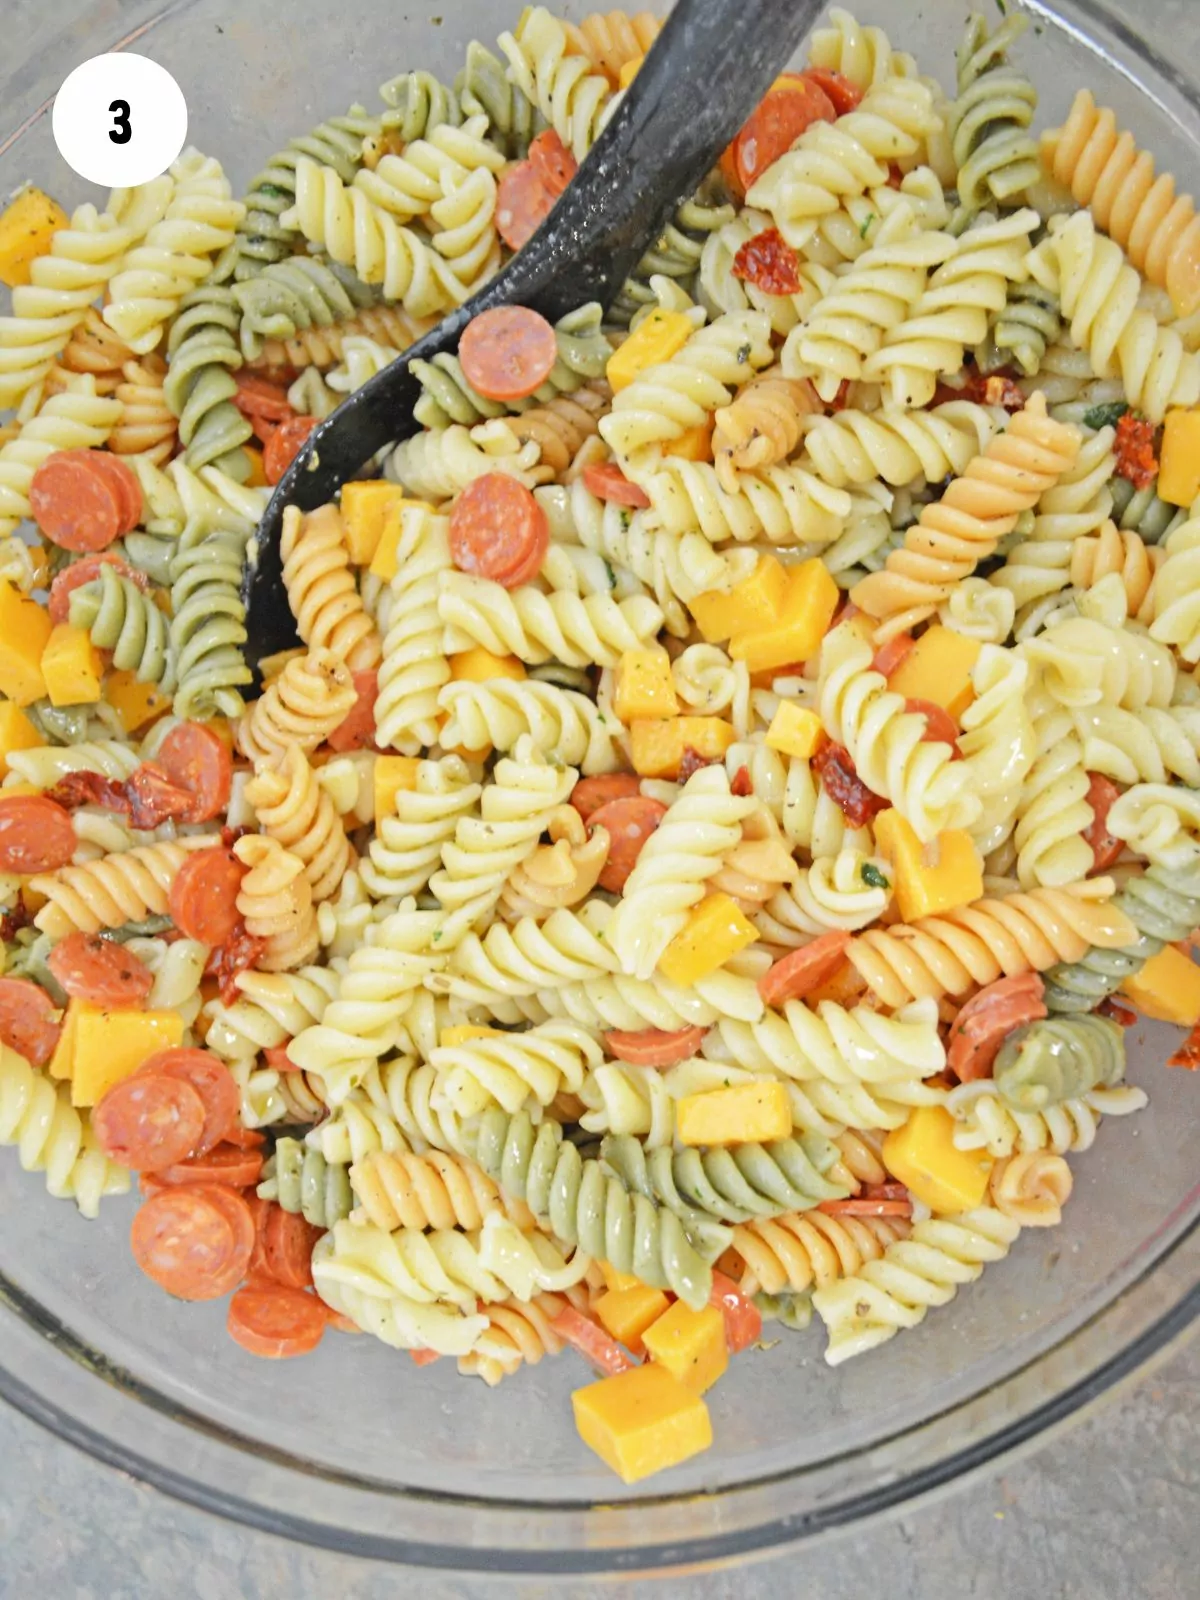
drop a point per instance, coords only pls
(353, 1447)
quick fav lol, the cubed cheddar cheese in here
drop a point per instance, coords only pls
(660, 336)
(657, 746)
(16, 733)
(690, 1344)
(135, 703)
(753, 603)
(365, 507)
(1179, 464)
(386, 557)
(391, 774)
(25, 631)
(795, 730)
(693, 445)
(27, 227)
(795, 635)
(461, 1032)
(627, 1313)
(257, 478)
(929, 878)
(1167, 988)
(938, 668)
(111, 1045)
(618, 1280)
(921, 1154)
(629, 71)
(72, 667)
(644, 686)
(715, 931)
(63, 1059)
(745, 1113)
(641, 1421)
(478, 665)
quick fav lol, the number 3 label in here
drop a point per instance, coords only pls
(119, 120)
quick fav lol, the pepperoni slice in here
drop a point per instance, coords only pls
(776, 124)
(653, 1047)
(498, 531)
(74, 504)
(523, 202)
(258, 397)
(552, 161)
(987, 1019)
(100, 971)
(36, 835)
(188, 1243)
(276, 1322)
(288, 1246)
(203, 901)
(629, 823)
(889, 656)
(228, 1164)
(507, 353)
(741, 783)
(29, 1022)
(1105, 846)
(86, 571)
(865, 1206)
(940, 726)
(801, 971)
(122, 480)
(212, 1081)
(358, 730)
(284, 446)
(148, 1121)
(607, 482)
(842, 93)
(589, 794)
(195, 758)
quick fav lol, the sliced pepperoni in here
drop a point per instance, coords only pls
(29, 1020)
(240, 950)
(940, 726)
(606, 481)
(198, 760)
(358, 730)
(842, 93)
(122, 480)
(288, 1246)
(1105, 846)
(75, 504)
(801, 971)
(100, 971)
(523, 202)
(498, 531)
(284, 446)
(246, 1138)
(589, 794)
(276, 1322)
(552, 161)
(189, 1243)
(987, 1019)
(889, 656)
(148, 1121)
(36, 835)
(629, 823)
(212, 1081)
(228, 1164)
(203, 901)
(777, 123)
(654, 1047)
(420, 1358)
(741, 783)
(743, 1320)
(864, 1206)
(507, 353)
(258, 397)
(86, 571)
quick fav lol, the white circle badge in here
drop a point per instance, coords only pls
(119, 120)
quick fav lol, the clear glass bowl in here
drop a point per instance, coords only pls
(353, 1447)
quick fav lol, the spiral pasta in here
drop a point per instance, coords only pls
(558, 82)
(528, 957)
(271, 1008)
(996, 156)
(809, 1250)
(107, 893)
(76, 419)
(863, 55)
(120, 618)
(325, 346)
(782, 505)
(897, 445)
(203, 352)
(984, 1122)
(439, 464)
(296, 294)
(535, 627)
(762, 425)
(321, 589)
(955, 533)
(396, 1189)
(93, 348)
(1099, 293)
(979, 609)
(1159, 821)
(996, 937)
(1031, 1188)
(518, 1332)
(847, 891)
(1141, 747)
(147, 425)
(512, 1070)
(612, 41)
(43, 765)
(294, 810)
(275, 902)
(1125, 554)
(408, 185)
(926, 1269)
(557, 720)
(303, 705)
(467, 240)
(407, 848)
(1085, 662)
(1057, 1059)
(1105, 171)
(1023, 331)
(1173, 607)
(483, 85)
(1078, 504)
(301, 1181)
(51, 1136)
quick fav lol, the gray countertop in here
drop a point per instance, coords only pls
(1106, 1510)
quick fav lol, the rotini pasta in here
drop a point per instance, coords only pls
(321, 589)
(51, 1136)
(303, 705)
(275, 903)
(295, 811)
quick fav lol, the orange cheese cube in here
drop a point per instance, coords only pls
(715, 931)
(72, 667)
(795, 731)
(24, 634)
(660, 336)
(641, 1421)
(1167, 988)
(796, 633)
(385, 559)
(16, 733)
(364, 509)
(745, 1113)
(938, 668)
(63, 1059)
(1179, 468)
(657, 746)
(135, 703)
(390, 775)
(629, 71)
(754, 603)
(921, 1153)
(258, 473)
(111, 1045)
(694, 445)
(27, 228)
(627, 1313)
(644, 686)
(690, 1344)
(929, 878)
(478, 665)
(618, 1280)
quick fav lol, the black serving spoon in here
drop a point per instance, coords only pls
(711, 64)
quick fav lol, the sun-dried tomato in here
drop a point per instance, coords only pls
(838, 403)
(1125, 1017)
(741, 784)
(11, 922)
(895, 177)
(998, 388)
(844, 787)
(230, 836)
(75, 789)
(1136, 459)
(691, 761)
(238, 953)
(769, 263)
(154, 799)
